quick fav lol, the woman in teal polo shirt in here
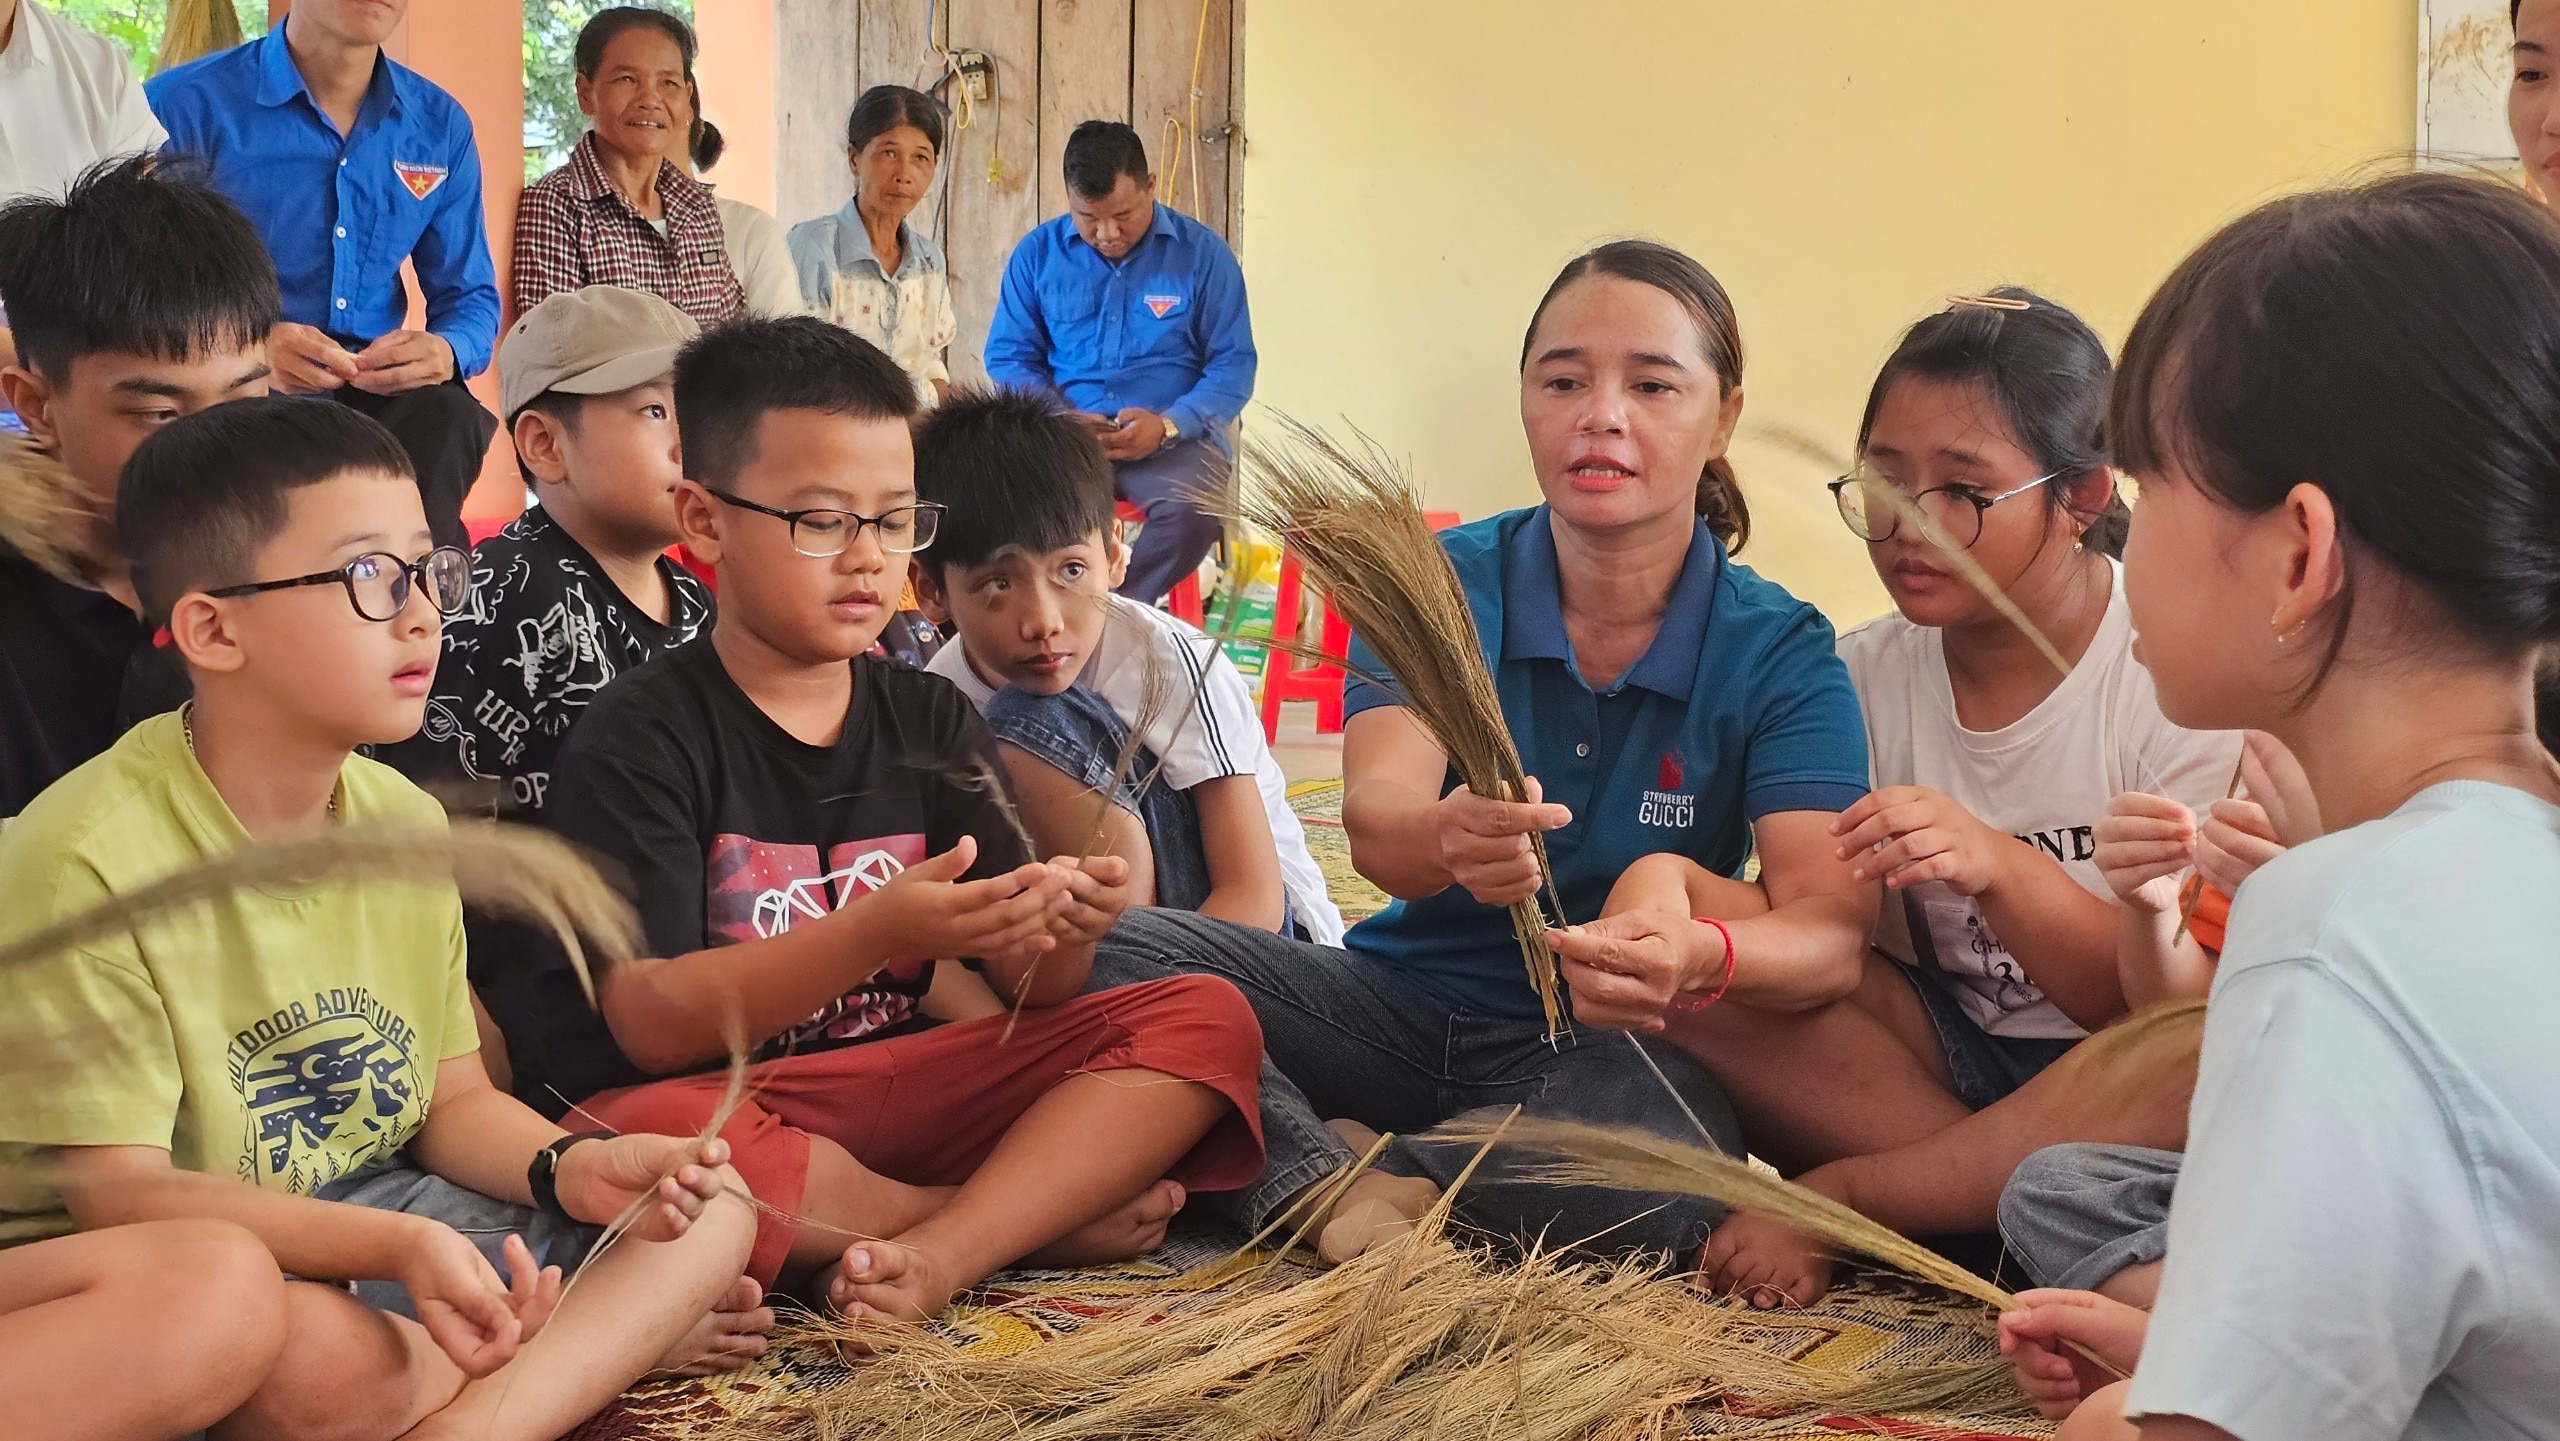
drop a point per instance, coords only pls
(1671, 705)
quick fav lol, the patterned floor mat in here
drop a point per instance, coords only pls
(1869, 1324)
(1319, 808)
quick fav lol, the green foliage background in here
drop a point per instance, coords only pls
(136, 25)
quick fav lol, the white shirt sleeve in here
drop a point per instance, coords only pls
(133, 127)
(1224, 736)
(2327, 1250)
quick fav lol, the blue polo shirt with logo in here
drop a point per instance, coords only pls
(1739, 709)
(339, 213)
(1164, 328)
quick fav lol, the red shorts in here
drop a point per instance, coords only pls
(926, 1109)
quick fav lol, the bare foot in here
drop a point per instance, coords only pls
(889, 1281)
(1765, 1262)
(1376, 1209)
(729, 1337)
(1125, 1234)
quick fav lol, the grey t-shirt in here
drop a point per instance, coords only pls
(2366, 1242)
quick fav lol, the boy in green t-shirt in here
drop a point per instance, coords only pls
(303, 1062)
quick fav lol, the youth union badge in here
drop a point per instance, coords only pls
(422, 180)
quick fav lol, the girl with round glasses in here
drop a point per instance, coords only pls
(1996, 947)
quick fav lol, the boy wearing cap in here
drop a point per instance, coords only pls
(579, 588)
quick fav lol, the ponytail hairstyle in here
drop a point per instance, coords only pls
(1649, 262)
(2398, 345)
(2045, 372)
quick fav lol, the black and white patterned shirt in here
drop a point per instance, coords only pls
(545, 631)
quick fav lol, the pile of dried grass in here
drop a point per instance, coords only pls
(1420, 1337)
(1354, 520)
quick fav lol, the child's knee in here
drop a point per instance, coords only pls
(1203, 1015)
(217, 1282)
(346, 1373)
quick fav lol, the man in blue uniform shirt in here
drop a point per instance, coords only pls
(350, 164)
(1133, 314)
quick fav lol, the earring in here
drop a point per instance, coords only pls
(2287, 636)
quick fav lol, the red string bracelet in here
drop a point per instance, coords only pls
(1691, 1002)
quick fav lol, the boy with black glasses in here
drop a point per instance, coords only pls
(811, 833)
(303, 1062)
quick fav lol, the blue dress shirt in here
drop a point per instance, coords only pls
(340, 212)
(1740, 708)
(1164, 329)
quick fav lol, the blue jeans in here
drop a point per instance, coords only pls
(1351, 1038)
(396, 1185)
(1986, 1067)
(1168, 486)
(1079, 733)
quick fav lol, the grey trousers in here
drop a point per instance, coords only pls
(2078, 1214)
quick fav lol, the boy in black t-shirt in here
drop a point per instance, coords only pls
(139, 297)
(809, 830)
(578, 588)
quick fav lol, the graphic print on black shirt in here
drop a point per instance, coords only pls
(732, 831)
(755, 891)
(546, 631)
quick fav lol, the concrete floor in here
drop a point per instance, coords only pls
(1304, 755)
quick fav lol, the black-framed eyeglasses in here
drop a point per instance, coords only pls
(1950, 515)
(823, 533)
(378, 583)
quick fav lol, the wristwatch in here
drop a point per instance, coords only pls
(543, 1176)
(1172, 433)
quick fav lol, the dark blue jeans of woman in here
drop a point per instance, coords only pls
(1348, 1037)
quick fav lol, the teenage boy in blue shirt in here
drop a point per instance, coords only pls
(1133, 315)
(351, 164)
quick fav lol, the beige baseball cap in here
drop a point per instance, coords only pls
(592, 341)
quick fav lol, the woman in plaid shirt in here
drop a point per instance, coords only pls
(621, 212)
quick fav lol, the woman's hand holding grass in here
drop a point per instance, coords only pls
(1484, 843)
(1624, 970)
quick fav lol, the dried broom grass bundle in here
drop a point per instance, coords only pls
(1421, 1337)
(1630, 1160)
(44, 514)
(511, 871)
(1355, 522)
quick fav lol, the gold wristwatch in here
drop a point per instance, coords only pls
(1172, 433)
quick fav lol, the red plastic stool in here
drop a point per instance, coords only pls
(1183, 601)
(1283, 678)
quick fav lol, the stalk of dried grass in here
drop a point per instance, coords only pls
(511, 871)
(44, 514)
(2194, 888)
(1355, 522)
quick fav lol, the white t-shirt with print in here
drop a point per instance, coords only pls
(68, 99)
(2046, 778)
(1224, 737)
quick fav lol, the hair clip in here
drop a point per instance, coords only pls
(1987, 302)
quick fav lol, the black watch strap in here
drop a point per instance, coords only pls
(543, 1176)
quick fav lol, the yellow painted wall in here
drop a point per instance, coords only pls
(1416, 170)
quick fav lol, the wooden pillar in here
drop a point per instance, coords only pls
(1084, 75)
(817, 46)
(993, 169)
(1170, 45)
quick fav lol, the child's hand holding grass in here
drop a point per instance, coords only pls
(2145, 844)
(2037, 1339)
(1097, 892)
(935, 915)
(1907, 835)
(601, 1179)
(477, 1320)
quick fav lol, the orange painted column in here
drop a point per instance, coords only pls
(736, 70)
(474, 49)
